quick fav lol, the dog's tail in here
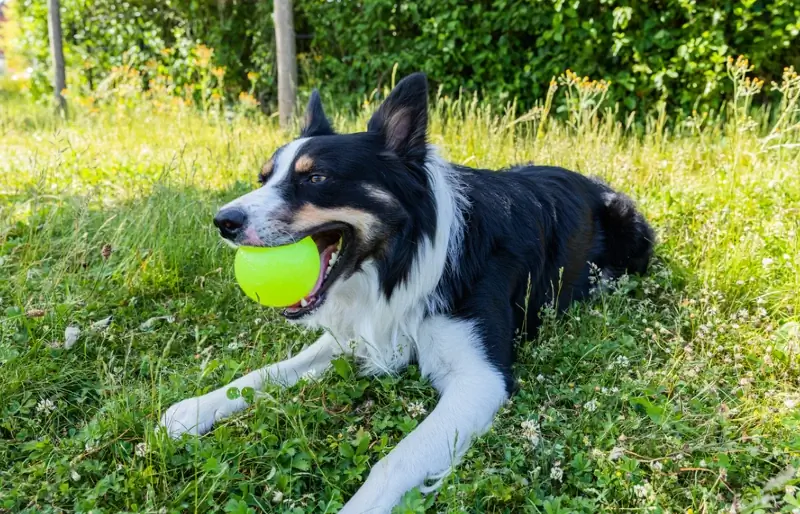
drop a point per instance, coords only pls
(629, 240)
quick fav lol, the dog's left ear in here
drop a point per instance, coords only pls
(402, 119)
(315, 123)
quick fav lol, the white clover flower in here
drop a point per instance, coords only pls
(766, 262)
(416, 409)
(556, 473)
(45, 406)
(657, 466)
(530, 430)
(590, 406)
(141, 449)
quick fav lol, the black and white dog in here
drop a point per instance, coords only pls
(422, 260)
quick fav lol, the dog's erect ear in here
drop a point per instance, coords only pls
(315, 123)
(402, 119)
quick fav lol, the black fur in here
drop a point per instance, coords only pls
(530, 235)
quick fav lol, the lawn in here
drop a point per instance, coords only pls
(674, 392)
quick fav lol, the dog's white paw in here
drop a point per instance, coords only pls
(195, 415)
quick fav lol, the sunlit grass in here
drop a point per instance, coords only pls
(681, 396)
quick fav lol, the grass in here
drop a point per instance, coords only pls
(681, 397)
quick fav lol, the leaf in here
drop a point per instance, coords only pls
(342, 367)
(654, 412)
(211, 465)
(301, 461)
(363, 443)
(346, 450)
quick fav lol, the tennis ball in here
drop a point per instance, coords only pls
(278, 276)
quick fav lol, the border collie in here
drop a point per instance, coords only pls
(425, 261)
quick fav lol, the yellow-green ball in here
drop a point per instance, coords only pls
(278, 276)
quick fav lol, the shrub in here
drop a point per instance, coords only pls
(666, 50)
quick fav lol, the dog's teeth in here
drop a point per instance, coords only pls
(303, 303)
(334, 256)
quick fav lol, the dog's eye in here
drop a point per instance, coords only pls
(316, 179)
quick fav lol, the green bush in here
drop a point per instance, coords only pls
(672, 50)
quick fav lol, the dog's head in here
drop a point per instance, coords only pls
(362, 197)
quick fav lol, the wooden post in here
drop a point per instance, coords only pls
(287, 61)
(57, 53)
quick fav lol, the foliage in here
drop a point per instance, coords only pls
(670, 50)
(674, 392)
(163, 37)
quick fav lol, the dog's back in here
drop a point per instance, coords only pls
(543, 232)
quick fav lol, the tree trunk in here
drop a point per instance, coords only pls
(287, 61)
(57, 53)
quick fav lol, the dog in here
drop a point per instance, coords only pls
(425, 261)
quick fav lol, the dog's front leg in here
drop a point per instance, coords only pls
(451, 354)
(197, 415)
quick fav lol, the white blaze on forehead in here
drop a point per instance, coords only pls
(263, 204)
(284, 160)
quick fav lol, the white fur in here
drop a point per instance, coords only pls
(384, 331)
(265, 204)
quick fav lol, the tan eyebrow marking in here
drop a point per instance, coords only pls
(266, 170)
(304, 164)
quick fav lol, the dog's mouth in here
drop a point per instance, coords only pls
(333, 243)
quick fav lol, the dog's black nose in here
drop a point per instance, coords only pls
(230, 222)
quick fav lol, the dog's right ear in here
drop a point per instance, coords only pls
(315, 123)
(402, 119)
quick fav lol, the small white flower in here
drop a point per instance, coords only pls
(590, 406)
(45, 406)
(616, 452)
(556, 473)
(141, 449)
(74, 475)
(540, 378)
(277, 497)
(766, 262)
(702, 463)
(416, 409)
(657, 466)
(790, 403)
(530, 429)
